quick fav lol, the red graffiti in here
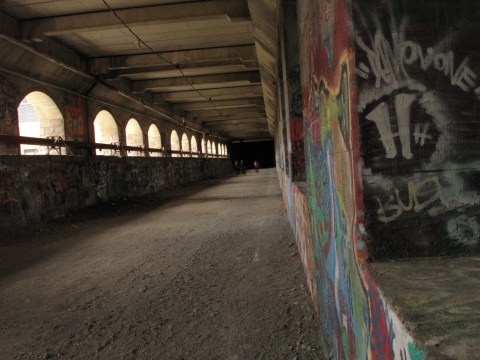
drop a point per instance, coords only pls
(381, 338)
(74, 120)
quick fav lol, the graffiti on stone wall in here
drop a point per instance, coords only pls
(9, 96)
(395, 112)
(419, 89)
(388, 61)
(296, 124)
(389, 338)
(421, 195)
(6, 188)
(357, 322)
(399, 96)
(464, 230)
(304, 240)
(331, 208)
(11, 210)
(297, 142)
(101, 186)
(74, 119)
(295, 92)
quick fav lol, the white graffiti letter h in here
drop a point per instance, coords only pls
(380, 115)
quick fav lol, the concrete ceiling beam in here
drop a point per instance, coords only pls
(171, 71)
(228, 111)
(171, 13)
(199, 82)
(255, 124)
(211, 94)
(220, 104)
(135, 64)
(245, 115)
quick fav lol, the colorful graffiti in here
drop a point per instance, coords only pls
(332, 210)
(328, 218)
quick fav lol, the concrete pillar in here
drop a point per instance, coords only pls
(9, 100)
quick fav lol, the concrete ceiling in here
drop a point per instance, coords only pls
(210, 62)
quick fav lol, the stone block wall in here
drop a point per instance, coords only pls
(39, 188)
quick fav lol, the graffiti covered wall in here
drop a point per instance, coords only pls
(418, 75)
(328, 216)
(390, 93)
(9, 97)
(75, 121)
(296, 125)
(39, 188)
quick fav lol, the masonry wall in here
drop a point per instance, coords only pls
(418, 68)
(328, 214)
(39, 188)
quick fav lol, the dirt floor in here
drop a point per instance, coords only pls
(207, 271)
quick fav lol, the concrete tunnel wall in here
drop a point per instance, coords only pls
(390, 130)
(38, 188)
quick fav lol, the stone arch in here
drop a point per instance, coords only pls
(154, 140)
(185, 143)
(174, 143)
(39, 116)
(194, 145)
(106, 132)
(134, 135)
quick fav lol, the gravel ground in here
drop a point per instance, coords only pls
(205, 271)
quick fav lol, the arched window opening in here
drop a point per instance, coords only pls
(204, 146)
(194, 145)
(134, 137)
(106, 132)
(39, 116)
(209, 147)
(214, 148)
(154, 140)
(174, 143)
(185, 143)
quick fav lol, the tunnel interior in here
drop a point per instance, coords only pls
(262, 151)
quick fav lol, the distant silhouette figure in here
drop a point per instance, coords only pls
(242, 166)
(237, 167)
(256, 164)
